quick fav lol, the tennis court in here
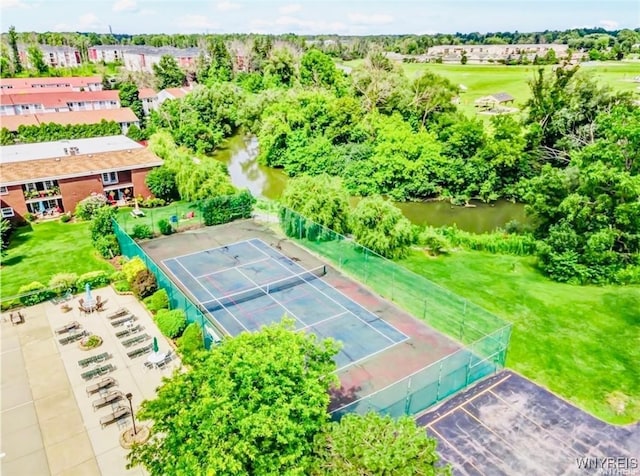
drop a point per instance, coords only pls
(249, 284)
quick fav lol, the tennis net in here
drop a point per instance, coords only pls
(265, 289)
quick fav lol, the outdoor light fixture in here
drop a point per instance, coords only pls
(133, 417)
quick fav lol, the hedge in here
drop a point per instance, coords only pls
(132, 267)
(144, 284)
(34, 293)
(171, 323)
(95, 279)
(158, 300)
(226, 208)
(63, 282)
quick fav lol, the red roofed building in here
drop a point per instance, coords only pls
(50, 102)
(80, 83)
(123, 116)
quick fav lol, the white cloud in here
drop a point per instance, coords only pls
(289, 9)
(289, 24)
(89, 21)
(125, 6)
(6, 4)
(196, 23)
(373, 19)
(609, 24)
(227, 6)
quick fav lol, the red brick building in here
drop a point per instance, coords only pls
(38, 178)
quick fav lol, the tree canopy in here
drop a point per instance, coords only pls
(168, 74)
(254, 405)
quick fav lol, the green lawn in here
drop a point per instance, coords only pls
(582, 343)
(483, 80)
(40, 250)
(153, 215)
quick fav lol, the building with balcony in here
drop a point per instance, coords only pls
(43, 177)
(63, 101)
(78, 83)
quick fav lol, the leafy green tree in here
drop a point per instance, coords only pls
(280, 68)
(430, 94)
(379, 82)
(318, 69)
(162, 183)
(168, 73)
(6, 137)
(5, 234)
(254, 405)
(36, 59)
(13, 44)
(130, 97)
(220, 67)
(380, 226)
(322, 199)
(101, 223)
(376, 444)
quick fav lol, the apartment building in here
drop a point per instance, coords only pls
(79, 83)
(37, 178)
(53, 56)
(123, 116)
(142, 58)
(56, 101)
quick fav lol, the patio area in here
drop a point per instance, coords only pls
(54, 420)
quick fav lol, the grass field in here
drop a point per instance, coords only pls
(582, 343)
(483, 80)
(153, 215)
(40, 250)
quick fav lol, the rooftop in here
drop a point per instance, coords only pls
(55, 98)
(50, 150)
(78, 81)
(69, 166)
(120, 115)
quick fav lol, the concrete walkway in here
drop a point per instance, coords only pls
(49, 426)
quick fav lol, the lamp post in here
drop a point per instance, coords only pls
(133, 417)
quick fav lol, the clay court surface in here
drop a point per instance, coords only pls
(507, 425)
(409, 344)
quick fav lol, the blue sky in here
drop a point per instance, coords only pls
(356, 17)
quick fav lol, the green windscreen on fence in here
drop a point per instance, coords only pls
(485, 336)
(177, 299)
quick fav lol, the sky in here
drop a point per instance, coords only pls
(346, 17)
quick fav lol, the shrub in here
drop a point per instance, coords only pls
(165, 227)
(132, 267)
(162, 183)
(122, 286)
(190, 342)
(431, 239)
(29, 217)
(102, 224)
(65, 218)
(141, 232)
(171, 323)
(62, 282)
(107, 246)
(95, 279)
(151, 202)
(117, 276)
(226, 208)
(35, 292)
(89, 206)
(144, 284)
(158, 300)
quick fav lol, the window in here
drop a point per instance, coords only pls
(3, 190)
(48, 184)
(30, 187)
(7, 212)
(109, 178)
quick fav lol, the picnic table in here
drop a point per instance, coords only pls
(102, 384)
(123, 321)
(93, 359)
(140, 351)
(72, 338)
(105, 369)
(68, 327)
(136, 340)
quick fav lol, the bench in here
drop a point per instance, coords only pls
(72, 338)
(140, 351)
(136, 340)
(105, 369)
(121, 322)
(102, 384)
(94, 358)
(122, 311)
(68, 327)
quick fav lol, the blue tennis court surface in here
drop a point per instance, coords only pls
(246, 285)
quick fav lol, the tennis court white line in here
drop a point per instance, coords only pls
(209, 249)
(393, 344)
(325, 320)
(272, 298)
(232, 267)
(336, 302)
(214, 298)
(465, 458)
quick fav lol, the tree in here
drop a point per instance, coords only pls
(36, 59)
(318, 69)
(168, 73)
(464, 59)
(376, 444)
(378, 225)
(430, 94)
(5, 234)
(220, 64)
(322, 199)
(130, 97)
(280, 68)
(13, 44)
(254, 405)
(162, 183)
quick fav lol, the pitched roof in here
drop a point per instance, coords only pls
(120, 115)
(502, 97)
(54, 99)
(177, 92)
(73, 82)
(146, 93)
(14, 173)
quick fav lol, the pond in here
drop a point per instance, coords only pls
(239, 154)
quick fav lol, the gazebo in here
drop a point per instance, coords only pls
(493, 101)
